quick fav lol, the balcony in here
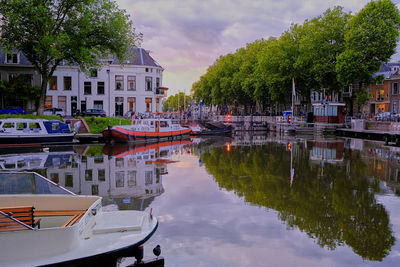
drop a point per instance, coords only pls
(161, 91)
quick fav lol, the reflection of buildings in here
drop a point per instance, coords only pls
(127, 176)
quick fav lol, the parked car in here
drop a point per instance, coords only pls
(94, 112)
(54, 111)
(13, 110)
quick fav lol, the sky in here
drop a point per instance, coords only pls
(186, 36)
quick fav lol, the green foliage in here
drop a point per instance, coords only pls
(362, 97)
(46, 117)
(94, 151)
(329, 52)
(176, 100)
(21, 86)
(332, 204)
(98, 124)
(77, 31)
(370, 40)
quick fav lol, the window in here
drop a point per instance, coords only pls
(62, 103)
(148, 177)
(148, 104)
(119, 179)
(119, 82)
(67, 83)
(54, 177)
(119, 163)
(95, 189)
(21, 126)
(88, 175)
(100, 88)
(87, 88)
(131, 178)
(132, 103)
(49, 102)
(149, 81)
(69, 180)
(12, 58)
(394, 110)
(93, 73)
(380, 94)
(101, 175)
(131, 83)
(98, 160)
(53, 83)
(395, 89)
(12, 77)
(147, 69)
(157, 82)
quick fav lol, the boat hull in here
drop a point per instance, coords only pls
(42, 139)
(125, 135)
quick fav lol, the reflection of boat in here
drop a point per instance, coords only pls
(18, 162)
(145, 129)
(28, 131)
(88, 234)
(161, 149)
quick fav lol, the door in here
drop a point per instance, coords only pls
(157, 126)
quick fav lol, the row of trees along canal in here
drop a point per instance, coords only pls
(80, 32)
(331, 51)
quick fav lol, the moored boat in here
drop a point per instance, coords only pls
(52, 226)
(145, 129)
(34, 131)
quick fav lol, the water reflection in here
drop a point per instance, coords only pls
(129, 177)
(331, 198)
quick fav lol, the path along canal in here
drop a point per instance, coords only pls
(245, 201)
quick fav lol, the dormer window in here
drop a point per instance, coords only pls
(12, 58)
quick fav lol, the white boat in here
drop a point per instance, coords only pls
(144, 129)
(30, 131)
(65, 229)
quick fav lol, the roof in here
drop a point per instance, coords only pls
(140, 57)
(388, 69)
(22, 59)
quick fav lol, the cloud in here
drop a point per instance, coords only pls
(185, 37)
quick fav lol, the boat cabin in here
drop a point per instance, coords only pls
(28, 126)
(329, 112)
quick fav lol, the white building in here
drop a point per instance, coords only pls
(117, 88)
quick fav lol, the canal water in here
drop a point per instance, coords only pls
(244, 201)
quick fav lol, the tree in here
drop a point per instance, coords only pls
(81, 32)
(176, 102)
(370, 40)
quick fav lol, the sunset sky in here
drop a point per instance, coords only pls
(186, 37)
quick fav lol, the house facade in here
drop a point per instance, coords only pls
(135, 85)
(385, 96)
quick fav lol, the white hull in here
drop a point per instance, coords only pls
(93, 235)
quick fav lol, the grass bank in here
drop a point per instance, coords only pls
(30, 116)
(98, 124)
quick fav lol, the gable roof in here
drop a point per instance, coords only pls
(139, 57)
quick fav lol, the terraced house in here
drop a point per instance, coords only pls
(135, 85)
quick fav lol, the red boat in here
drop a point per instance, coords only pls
(144, 129)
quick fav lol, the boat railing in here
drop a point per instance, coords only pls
(9, 216)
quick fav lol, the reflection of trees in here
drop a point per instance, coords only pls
(334, 208)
